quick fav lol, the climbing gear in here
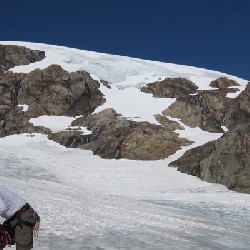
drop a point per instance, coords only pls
(36, 227)
(19, 212)
(17, 216)
(5, 238)
(22, 210)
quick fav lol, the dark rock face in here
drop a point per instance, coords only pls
(194, 111)
(116, 137)
(52, 91)
(12, 119)
(238, 114)
(228, 164)
(170, 88)
(189, 163)
(206, 109)
(12, 55)
(227, 160)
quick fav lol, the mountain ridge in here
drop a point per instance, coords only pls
(52, 87)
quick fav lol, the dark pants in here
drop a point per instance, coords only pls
(24, 233)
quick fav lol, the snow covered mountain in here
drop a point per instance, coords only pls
(139, 116)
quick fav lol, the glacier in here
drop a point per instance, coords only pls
(86, 202)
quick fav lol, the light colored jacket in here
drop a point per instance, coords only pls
(10, 202)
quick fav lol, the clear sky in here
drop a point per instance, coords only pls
(212, 34)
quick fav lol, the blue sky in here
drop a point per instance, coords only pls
(212, 34)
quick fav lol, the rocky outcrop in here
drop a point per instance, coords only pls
(116, 137)
(237, 116)
(189, 163)
(227, 160)
(228, 163)
(52, 91)
(170, 88)
(223, 83)
(206, 109)
(12, 55)
(167, 123)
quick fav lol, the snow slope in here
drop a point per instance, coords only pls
(91, 203)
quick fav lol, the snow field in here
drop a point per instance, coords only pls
(91, 203)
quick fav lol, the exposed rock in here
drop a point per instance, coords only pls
(151, 142)
(70, 139)
(206, 109)
(97, 121)
(12, 55)
(15, 121)
(196, 111)
(9, 87)
(227, 160)
(106, 84)
(229, 163)
(238, 114)
(167, 123)
(116, 137)
(170, 88)
(223, 83)
(52, 91)
(189, 163)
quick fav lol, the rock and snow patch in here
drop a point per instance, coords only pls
(86, 201)
(224, 128)
(58, 123)
(134, 104)
(119, 70)
(24, 107)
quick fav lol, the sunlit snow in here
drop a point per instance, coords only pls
(58, 123)
(86, 202)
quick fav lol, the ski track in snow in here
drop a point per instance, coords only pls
(86, 202)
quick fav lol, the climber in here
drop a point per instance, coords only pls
(20, 220)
